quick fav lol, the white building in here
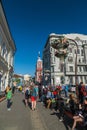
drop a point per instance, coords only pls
(7, 51)
(27, 79)
(63, 72)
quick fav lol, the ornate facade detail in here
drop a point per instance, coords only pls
(60, 58)
(7, 51)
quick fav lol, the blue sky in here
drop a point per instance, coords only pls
(31, 21)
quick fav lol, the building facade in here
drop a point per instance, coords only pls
(7, 51)
(22, 80)
(62, 71)
(27, 79)
(18, 80)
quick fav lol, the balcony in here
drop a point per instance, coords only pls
(61, 53)
(82, 73)
(73, 73)
(81, 63)
(70, 73)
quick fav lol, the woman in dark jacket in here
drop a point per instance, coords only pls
(82, 116)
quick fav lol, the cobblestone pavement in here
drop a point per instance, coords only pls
(23, 118)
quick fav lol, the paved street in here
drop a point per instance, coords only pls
(23, 118)
(51, 120)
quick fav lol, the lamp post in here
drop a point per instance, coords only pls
(75, 59)
(61, 45)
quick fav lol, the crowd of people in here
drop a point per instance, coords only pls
(77, 102)
(52, 99)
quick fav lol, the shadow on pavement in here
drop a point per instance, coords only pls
(66, 120)
(29, 103)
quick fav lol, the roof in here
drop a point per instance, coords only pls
(75, 35)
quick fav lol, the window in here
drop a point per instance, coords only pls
(77, 69)
(78, 51)
(81, 78)
(62, 67)
(83, 60)
(71, 68)
(85, 79)
(80, 69)
(39, 64)
(70, 59)
(75, 51)
(70, 50)
(54, 59)
(51, 49)
(52, 81)
(52, 69)
(85, 41)
(84, 68)
(79, 60)
(71, 80)
(3, 50)
(82, 53)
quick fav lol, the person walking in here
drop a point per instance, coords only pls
(27, 92)
(13, 89)
(9, 96)
(34, 97)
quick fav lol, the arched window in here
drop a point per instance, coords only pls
(78, 51)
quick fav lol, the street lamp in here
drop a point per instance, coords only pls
(75, 59)
(61, 45)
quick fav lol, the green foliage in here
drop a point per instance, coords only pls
(17, 80)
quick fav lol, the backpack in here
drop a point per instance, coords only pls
(83, 91)
(35, 92)
(27, 92)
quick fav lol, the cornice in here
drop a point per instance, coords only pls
(6, 28)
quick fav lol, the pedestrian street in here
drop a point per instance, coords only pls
(23, 118)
